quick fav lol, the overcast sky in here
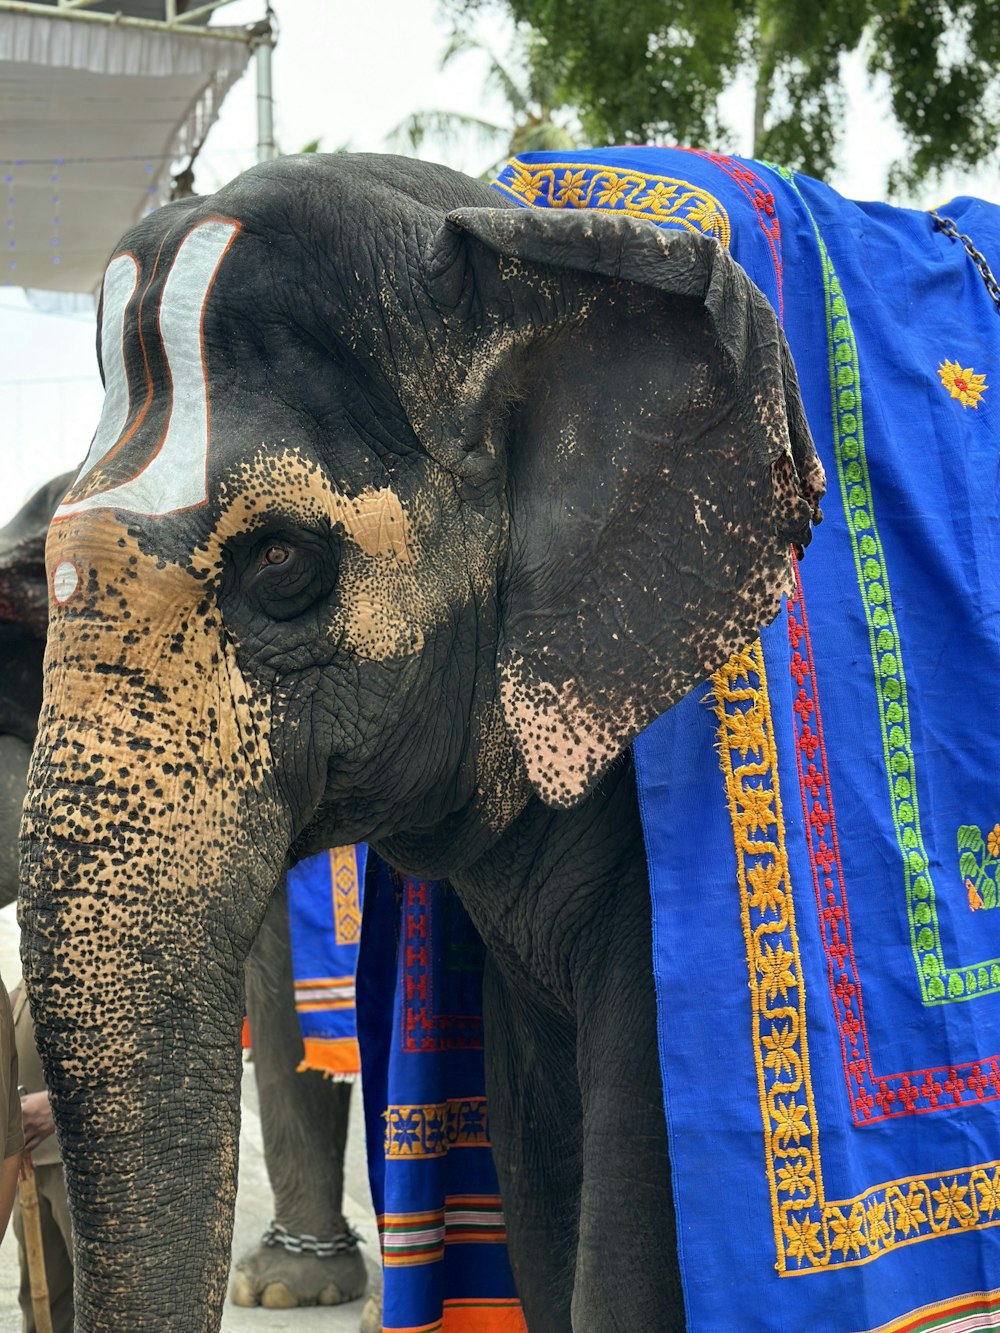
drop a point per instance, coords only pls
(348, 73)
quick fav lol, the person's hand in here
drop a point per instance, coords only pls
(36, 1117)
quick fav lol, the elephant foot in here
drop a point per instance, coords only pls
(371, 1315)
(278, 1279)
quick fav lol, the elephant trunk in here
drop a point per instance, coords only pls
(148, 851)
(140, 1043)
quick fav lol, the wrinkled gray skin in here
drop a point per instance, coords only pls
(303, 1116)
(487, 490)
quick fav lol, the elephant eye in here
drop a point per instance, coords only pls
(285, 574)
(274, 554)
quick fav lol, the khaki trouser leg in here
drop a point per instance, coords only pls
(57, 1242)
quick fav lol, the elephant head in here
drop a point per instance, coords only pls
(407, 507)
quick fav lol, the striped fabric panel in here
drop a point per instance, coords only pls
(324, 993)
(975, 1312)
(420, 1238)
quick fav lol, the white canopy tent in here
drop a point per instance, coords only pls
(95, 107)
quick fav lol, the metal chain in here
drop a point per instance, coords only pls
(276, 1234)
(949, 228)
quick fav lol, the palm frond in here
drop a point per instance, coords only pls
(448, 127)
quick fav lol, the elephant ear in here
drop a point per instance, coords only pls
(659, 469)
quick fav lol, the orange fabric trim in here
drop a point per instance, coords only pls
(483, 1316)
(245, 1041)
(331, 1055)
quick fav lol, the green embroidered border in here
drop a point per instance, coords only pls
(939, 983)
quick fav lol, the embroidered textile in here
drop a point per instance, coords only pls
(324, 918)
(828, 986)
(429, 1159)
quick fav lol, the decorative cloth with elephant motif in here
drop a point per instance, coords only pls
(822, 823)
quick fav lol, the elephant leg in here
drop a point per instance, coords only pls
(304, 1130)
(535, 1127)
(627, 1271)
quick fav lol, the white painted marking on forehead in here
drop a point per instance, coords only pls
(176, 476)
(65, 580)
(120, 282)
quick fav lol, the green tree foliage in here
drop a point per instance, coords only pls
(529, 83)
(655, 69)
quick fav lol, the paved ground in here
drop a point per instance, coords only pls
(253, 1205)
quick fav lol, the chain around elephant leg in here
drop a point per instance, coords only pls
(286, 1271)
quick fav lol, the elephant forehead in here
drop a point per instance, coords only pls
(150, 452)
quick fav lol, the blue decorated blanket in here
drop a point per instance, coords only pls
(824, 870)
(822, 825)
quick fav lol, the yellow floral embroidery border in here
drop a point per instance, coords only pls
(615, 190)
(432, 1129)
(812, 1234)
(346, 897)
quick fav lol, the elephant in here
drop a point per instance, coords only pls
(303, 1116)
(303, 1119)
(408, 509)
(23, 620)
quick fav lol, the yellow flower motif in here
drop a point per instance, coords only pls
(660, 197)
(879, 1227)
(795, 1178)
(780, 1046)
(789, 1122)
(756, 805)
(571, 188)
(612, 190)
(741, 664)
(965, 385)
(766, 880)
(993, 840)
(989, 1194)
(706, 216)
(951, 1205)
(909, 1211)
(775, 968)
(746, 729)
(848, 1232)
(526, 183)
(803, 1238)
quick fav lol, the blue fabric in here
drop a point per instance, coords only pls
(429, 1158)
(826, 917)
(324, 918)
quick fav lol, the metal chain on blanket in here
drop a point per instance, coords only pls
(949, 228)
(276, 1234)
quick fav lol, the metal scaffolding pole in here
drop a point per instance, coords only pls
(262, 44)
